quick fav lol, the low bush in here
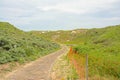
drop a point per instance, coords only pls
(20, 46)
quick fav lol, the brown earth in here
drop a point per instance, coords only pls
(37, 70)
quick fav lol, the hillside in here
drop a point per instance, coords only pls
(70, 36)
(102, 46)
(19, 46)
(80, 35)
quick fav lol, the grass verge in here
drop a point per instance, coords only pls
(63, 70)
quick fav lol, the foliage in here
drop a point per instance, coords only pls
(70, 36)
(20, 46)
(102, 47)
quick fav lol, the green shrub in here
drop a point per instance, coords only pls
(20, 46)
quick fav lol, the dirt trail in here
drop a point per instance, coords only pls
(37, 70)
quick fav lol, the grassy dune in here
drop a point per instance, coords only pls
(102, 46)
(64, 37)
(19, 46)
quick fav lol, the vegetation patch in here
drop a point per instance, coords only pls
(102, 47)
(21, 47)
(63, 70)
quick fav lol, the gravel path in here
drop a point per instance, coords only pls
(37, 70)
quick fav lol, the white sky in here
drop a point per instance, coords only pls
(60, 14)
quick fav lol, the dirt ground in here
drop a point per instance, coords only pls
(37, 70)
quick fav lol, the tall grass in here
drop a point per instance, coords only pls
(102, 47)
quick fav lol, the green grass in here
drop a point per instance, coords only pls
(101, 44)
(102, 47)
(64, 37)
(19, 46)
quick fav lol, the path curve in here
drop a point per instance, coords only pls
(37, 70)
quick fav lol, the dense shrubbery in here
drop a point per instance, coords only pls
(16, 45)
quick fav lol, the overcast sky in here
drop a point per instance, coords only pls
(60, 14)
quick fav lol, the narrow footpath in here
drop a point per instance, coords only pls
(37, 70)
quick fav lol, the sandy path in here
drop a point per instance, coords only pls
(37, 70)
